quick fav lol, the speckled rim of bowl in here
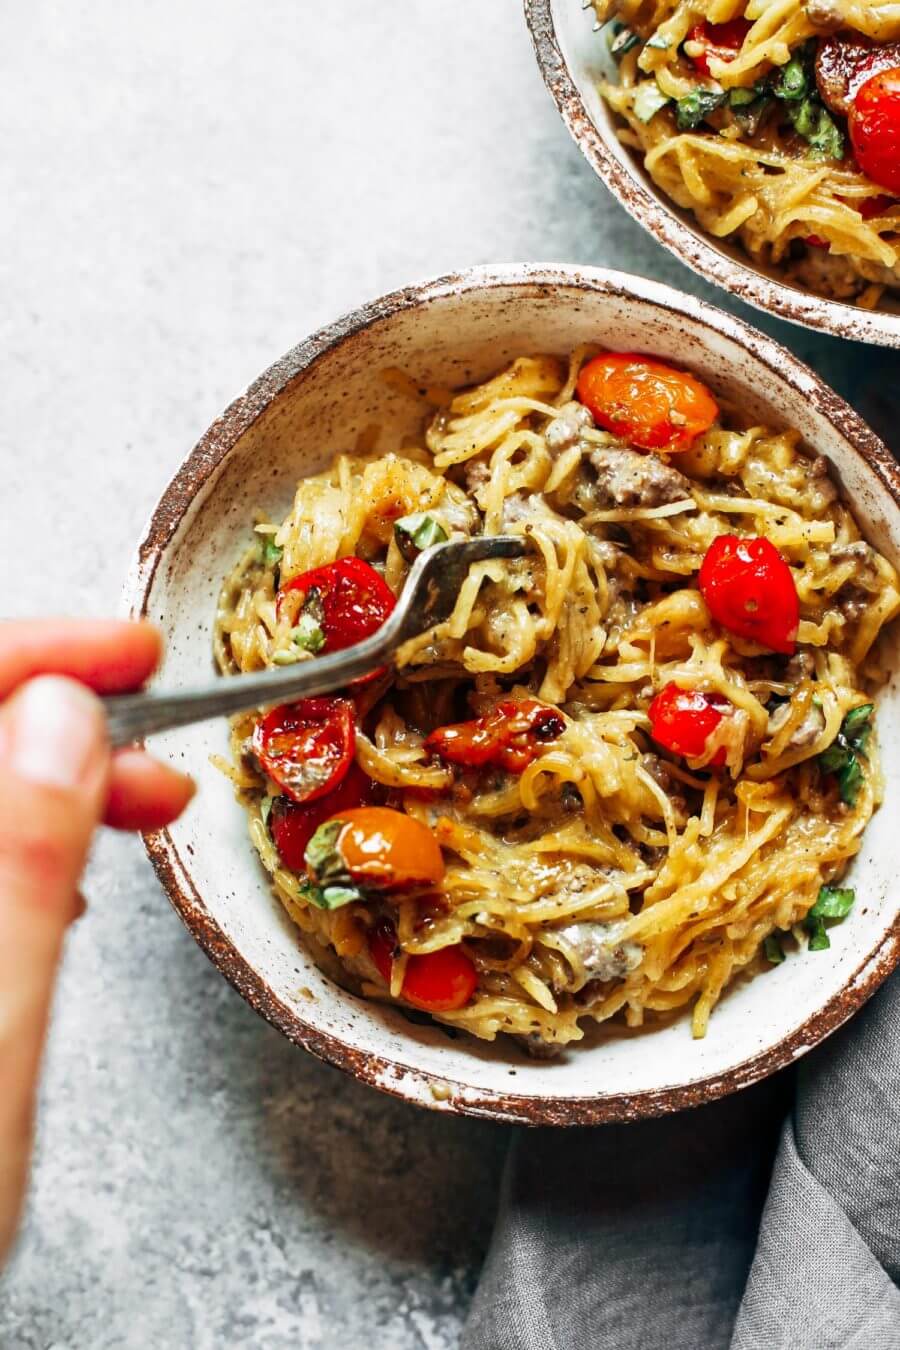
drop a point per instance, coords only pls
(689, 242)
(202, 462)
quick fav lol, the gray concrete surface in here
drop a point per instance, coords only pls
(186, 190)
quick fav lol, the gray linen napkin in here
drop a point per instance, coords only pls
(770, 1219)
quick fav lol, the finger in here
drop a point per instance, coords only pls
(110, 655)
(54, 766)
(144, 794)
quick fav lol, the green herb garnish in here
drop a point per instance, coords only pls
(843, 755)
(796, 87)
(648, 100)
(265, 808)
(696, 106)
(418, 532)
(742, 98)
(308, 634)
(832, 902)
(792, 83)
(658, 43)
(329, 897)
(271, 553)
(774, 950)
(623, 40)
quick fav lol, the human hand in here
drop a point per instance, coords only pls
(58, 781)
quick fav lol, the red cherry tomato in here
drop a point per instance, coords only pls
(749, 589)
(355, 600)
(509, 736)
(721, 40)
(682, 720)
(649, 404)
(438, 982)
(875, 128)
(293, 824)
(307, 747)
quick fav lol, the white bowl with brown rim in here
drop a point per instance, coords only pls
(289, 423)
(570, 55)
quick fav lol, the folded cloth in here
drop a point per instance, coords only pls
(768, 1220)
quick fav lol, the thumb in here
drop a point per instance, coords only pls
(54, 767)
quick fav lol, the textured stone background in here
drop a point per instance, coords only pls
(187, 189)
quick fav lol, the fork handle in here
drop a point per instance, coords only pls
(131, 717)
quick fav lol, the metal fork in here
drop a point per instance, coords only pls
(429, 596)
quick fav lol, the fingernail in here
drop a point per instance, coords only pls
(54, 733)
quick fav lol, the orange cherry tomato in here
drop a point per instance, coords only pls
(646, 402)
(509, 736)
(440, 981)
(749, 589)
(682, 720)
(720, 40)
(378, 849)
(875, 128)
(306, 747)
(292, 824)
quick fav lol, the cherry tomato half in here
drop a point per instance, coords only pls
(875, 128)
(720, 40)
(509, 736)
(354, 599)
(749, 589)
(682, 720)
(293, 824)
(307, 747)
(379, 849)
(437, 982)
(649, 404)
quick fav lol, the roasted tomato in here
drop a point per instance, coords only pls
(375, 849)
(722, 41)
(749, 589)
(509, 736)
(348, 599)
(293, 824)
(646, 402)
(437, 982)
(682, 720)
(307, 747)
(875, 128)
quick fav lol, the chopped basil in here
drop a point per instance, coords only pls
(286, 658)
(741, 98)
(696, 106)
(623, 40)
(792, 83)
(418, 532)
(333, 884)
(816, 125)
(819, 940)
(834, 902)
(774, 950)
(308, 634)
(271, 553)
(857, 726)
(796, 87)
(329, 897)
(658, 43)
(648, 100)
(843, 755)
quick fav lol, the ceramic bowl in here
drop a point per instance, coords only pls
(313, 402)
(569, 54)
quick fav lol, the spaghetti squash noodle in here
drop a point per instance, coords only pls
(775, 122)
(628, 764)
